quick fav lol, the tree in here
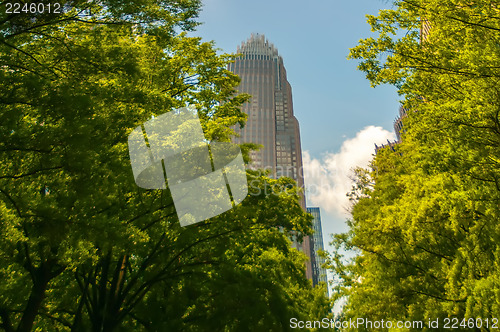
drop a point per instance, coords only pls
(83, 248)
(427, 230)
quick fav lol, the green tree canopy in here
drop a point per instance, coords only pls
(426, 224)
(85, 249)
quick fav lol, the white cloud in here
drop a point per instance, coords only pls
(328, 179)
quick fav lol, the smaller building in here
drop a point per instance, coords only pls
(398, 123)
(398, 129)
(318, 272)
(383, 146)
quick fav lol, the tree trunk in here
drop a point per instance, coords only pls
(41, 277)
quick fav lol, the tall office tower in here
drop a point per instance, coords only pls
(318, 272)
(271, 122)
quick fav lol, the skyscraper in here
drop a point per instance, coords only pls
(271, 122)
(318, 272)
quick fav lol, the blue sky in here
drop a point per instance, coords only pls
(340, 115)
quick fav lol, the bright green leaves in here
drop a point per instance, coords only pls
(83, 247)
(427, 228)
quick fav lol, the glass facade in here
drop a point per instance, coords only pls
(271, 122)
(318, 272)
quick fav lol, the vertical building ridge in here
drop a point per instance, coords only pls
(318, 271)
(271, 121)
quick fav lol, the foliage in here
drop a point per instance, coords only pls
(83, 248)
(427, 231)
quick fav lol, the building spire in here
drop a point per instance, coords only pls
(257, 44)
